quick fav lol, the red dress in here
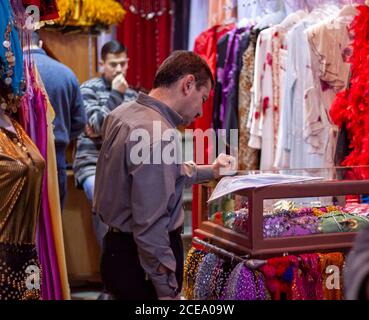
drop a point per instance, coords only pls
(206, 47)
(147, 38)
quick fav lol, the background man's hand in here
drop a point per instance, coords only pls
(224, 165)
(119, 83)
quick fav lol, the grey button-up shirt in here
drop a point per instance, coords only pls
(144, 198)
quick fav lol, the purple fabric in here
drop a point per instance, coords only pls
(229, 69)
(244, 284)
(286, 224)
(51, 286)
(35, 122)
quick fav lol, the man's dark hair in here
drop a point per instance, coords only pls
(179, 64)
(35, 38)
(113, 47)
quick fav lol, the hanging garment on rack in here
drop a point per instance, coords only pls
(221, 12)
(229, 106)
(261, 115)
(182, 11)
(190, 271)
(332, 288)
(279, 66)
(280, 275)
(221, 281)
(206, 47)
(22, 172)
(350, 106)
(310, 277)
(151, 43)
(207, 276)
(198, 20)
(248, 158)
(222, 46)
(330, 52)
(55, 210)
(298, 64)
(279, 47)
(245, 284)
(34, 109)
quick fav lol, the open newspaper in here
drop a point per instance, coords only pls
(228, 185)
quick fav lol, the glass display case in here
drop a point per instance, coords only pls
(266, 219)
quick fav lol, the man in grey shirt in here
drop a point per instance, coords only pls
(139, 192)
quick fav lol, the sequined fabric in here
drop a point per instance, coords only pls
(209, 270)
(248, 157)
(245, 284)
(332, 290)
(21, 171)
(190, 271)
(20, 272)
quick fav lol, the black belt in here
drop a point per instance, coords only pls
(116, 230)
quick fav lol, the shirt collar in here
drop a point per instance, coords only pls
(173, 117)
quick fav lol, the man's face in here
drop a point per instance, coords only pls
(196, 100)
(115, 64)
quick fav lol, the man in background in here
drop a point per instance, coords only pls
(64, 93)
(100, 95)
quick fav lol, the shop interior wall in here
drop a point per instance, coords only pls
(82, 251)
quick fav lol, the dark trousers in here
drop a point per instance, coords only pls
(62, 181)
(62, 174)
(121, 271)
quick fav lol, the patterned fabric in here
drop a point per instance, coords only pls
(19, 266)
(245, 284)
(99, 101)
(190, 271)
(21, 173)
(248, 157)
(206, 280)
(332, 290)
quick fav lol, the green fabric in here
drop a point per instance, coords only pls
(337, 221)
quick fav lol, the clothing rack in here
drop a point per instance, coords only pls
(250, 263)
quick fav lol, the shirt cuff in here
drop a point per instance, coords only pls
(204, 173)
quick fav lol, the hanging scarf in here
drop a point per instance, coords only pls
(326, 260)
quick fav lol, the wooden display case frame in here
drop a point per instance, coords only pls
(254, 243)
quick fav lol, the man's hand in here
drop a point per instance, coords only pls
(120, 83)
(89, 131)
(224, 165)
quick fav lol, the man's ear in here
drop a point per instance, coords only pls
(101, 65)
(188, 83)
(40, 43)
